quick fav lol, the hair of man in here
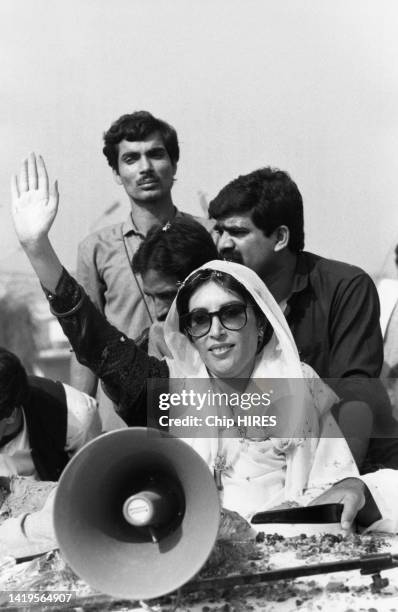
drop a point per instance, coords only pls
(273, 199)
(176, 249)
(14, 386)
(138, 126)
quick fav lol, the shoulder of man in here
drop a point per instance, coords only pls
(46, 407)
(333, 270)
(46, 389)
(106, 233)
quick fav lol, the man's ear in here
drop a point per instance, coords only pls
(116, 177)
(282, 237)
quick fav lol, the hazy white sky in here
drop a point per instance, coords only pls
(310, 86)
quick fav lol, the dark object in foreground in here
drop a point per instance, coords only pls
(371, 564)
(324, 513)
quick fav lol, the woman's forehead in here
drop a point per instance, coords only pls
(212, 295)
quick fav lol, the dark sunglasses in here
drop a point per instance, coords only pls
(231, 316)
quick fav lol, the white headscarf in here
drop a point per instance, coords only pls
(279, 359)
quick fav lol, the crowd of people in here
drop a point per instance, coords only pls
(230, 300)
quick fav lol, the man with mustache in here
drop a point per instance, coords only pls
(143, 153)
(332, 308)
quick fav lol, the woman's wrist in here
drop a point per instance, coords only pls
(44, 261)
(66, 297)
(37, 247)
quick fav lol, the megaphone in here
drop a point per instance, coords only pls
(136, 513)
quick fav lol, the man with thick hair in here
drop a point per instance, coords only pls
(42, 422)
(168, 255)
(262, 209)
(143, 152)
(135, 127)
(164, 259)
(332, 307)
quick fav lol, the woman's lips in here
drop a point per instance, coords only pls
(220, 350)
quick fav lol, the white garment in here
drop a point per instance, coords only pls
(383, 486)
(387, 289)
(83, 425)
(15, 456)
(311, 461)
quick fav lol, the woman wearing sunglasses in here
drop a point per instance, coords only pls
(224, 328)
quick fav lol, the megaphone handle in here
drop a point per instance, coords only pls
(218, 479)
(219, 468)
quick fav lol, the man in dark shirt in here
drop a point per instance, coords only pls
(332, 307)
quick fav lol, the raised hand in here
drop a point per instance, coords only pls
(34, 202)
(34, 208)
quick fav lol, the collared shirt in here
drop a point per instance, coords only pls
(104, 270)
(333, 313)
(83, 425)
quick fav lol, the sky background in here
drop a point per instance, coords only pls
(309, 86)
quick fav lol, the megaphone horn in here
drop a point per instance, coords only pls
(136, 513)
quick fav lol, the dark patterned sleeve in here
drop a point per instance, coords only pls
(122, 366)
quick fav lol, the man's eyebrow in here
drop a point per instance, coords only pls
(157, 148)
(234, 227)
(128, 154)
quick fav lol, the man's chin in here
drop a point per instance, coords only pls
(149, 196)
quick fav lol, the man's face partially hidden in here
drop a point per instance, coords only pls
(161, 289)
(241, 241)
(145, 169)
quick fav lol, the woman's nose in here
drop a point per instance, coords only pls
(216, 328)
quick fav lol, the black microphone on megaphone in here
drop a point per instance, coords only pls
(136, 513)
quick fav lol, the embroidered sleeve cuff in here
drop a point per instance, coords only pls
(67, 298)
